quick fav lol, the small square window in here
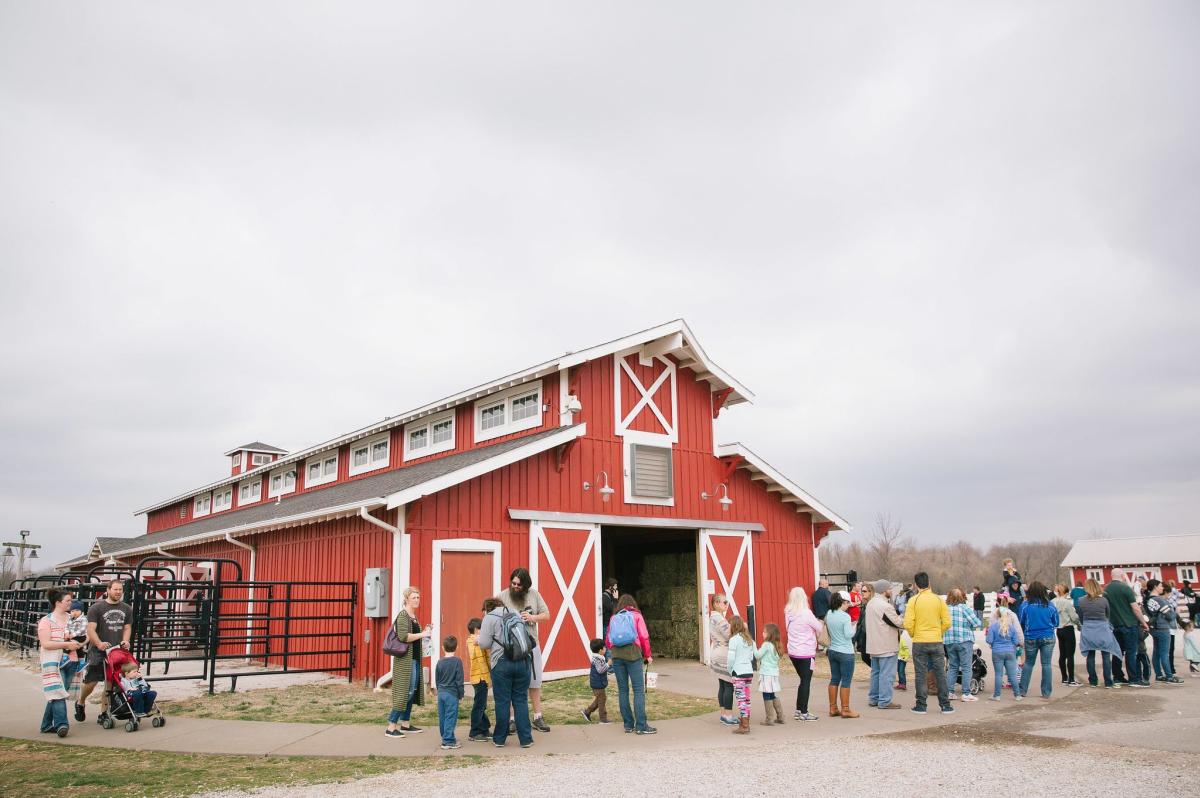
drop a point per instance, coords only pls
(492, 417)
(1185, 573)
(443, 431)
(525, 406)
(260, 459)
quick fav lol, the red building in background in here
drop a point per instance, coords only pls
(576, 468)
(1162, 557)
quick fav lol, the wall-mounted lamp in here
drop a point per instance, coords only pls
(724, 501)
(572, 405)
(605, 490)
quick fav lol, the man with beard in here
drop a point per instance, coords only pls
(520, 597)
(109, 623)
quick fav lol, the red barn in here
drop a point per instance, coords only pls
(1162, 557)
(597, 463)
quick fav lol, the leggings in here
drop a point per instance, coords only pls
(1066, 653)
(803, 666)
(741, 692)
(724, 694)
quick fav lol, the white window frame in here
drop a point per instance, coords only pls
(284, 489)
(237, 459)
(218, 495)
(427, 425)
(1094, 573)
(202, 505)
(646, 439)
(509, 426)
(370, 444)
(253, 494)
(1181, 576)
(319, 462)
(259, 459)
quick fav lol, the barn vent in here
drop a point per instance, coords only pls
(652, 477)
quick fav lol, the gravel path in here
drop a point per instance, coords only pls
(932, 768)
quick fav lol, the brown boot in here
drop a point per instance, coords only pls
(833, 702)
(743, 726)
(768, 711)
(847, 712)
(778, 711)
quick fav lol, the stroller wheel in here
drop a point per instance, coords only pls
(107, 723)
(156, 722)
(131, 726)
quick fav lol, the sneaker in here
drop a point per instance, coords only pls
(412, 729)
(733, 721)
(946, 710)
(629, 730)
(648, 730)
(1174, 680)
(902, 687)
(450, 746)
(893, 705)
(918, 710)
(63, 731)
(808, 716)
(540, 724)
(872, 704)
(498, 745)
(797, 716)
(1139, 684)
(1112, 687)
(527, 745)
(1074, 683)
(993, 698)
(605, 722)
(1018, 698)
(80, 713)
(392, 733)
(478, 738)
(586, 717)
(953, 697)
(969, 698)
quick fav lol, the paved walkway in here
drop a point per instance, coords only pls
(21, 695)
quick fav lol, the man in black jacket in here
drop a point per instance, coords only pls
(820, 599)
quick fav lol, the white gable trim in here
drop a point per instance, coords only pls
(762, 470)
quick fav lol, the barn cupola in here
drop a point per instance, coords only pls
(252, 455)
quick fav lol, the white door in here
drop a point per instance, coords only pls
(564, 561)
(726, 567)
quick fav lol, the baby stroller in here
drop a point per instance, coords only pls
(979, 672)
(119, 707)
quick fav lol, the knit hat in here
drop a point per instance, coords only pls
(77, 605)
(881, 586)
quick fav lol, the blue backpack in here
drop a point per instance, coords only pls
(621, 629)
(514, 637)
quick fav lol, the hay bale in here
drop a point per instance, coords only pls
(684, 603)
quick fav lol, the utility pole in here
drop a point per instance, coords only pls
(21, 547)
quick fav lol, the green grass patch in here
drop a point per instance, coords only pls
(562, 701)
(35, 768)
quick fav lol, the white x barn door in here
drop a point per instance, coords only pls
(727, 567)
(565, 565)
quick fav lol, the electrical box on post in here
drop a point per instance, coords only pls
(376, 585)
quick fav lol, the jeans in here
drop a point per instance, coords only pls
(883, 670)
(901, 672)
(1106, 659)
(480, 725)
(960, 665)
(1005, 662)
(628, 671)
(447, 715)
(142, 701)
(55, 715)
(1066, 653)
(510, 683)
(1162, 653)
(979, 615)
(406, 713)
(930, 657)
(1127, 639)
(1045, 647)
(841, 668)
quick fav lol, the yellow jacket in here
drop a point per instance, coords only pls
(927, 617)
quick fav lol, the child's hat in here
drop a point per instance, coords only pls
(78, 605)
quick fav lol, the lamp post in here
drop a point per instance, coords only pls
(21, 547)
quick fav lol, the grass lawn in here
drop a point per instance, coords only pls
(45, 769)
(562, 701)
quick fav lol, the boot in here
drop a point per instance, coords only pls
(768, 711)
(743, 726)
(847, 712)
(833, 702)
(778, 711)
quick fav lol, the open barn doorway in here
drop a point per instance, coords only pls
(658, 567)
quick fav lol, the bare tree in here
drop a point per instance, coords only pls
(885, 543)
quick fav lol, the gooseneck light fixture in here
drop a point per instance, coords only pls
(606, 491)
(724, 501)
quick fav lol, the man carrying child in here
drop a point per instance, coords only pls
(448, 676)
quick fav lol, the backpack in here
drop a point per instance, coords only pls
(621, 629)
(514, 637)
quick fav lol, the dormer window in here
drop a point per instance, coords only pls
(514, 410)
(282, 481)
(249, 492)
(257, 459)
(371, 454)
(222, 499)
(321, 469)
(428, 436)
(237, 459)
(202, 505)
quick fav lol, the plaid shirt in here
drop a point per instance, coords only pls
(963, 624)
(480, 667)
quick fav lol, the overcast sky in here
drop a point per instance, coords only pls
(952, 247)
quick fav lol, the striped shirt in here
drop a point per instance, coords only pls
(963, 623)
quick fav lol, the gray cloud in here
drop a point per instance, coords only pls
(952, 249)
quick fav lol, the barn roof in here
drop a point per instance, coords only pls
(1149, 550)
(762, 471)
(257, 446)
(674, 337)
(348, 498)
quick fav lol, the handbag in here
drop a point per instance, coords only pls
(823, 635)
(393, 646)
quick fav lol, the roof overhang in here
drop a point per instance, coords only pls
(762, 471)
(674, 338)
(653, 522)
